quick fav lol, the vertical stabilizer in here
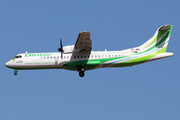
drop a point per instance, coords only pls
(159, 41)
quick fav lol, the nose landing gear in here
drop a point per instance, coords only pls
(15, 72)
(81, 70)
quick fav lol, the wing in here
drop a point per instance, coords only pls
(83, 42)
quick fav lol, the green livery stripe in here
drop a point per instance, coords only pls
(162, 50)
(170, 30)
(145, 58)
(163, 39)
(139, 60)
(89, 64)
(11, 60)
(156, 38)
(157, 44)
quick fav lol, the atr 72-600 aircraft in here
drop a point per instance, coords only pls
(79, 57)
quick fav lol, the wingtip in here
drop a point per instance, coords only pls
(83, 31)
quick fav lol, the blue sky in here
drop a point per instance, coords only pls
(143, 92)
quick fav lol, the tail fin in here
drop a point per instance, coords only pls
(160, 39)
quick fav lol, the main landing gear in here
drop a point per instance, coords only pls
(81, 70)
(15, 72)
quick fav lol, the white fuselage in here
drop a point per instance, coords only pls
(54, 60)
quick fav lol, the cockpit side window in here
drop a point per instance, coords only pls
(18, 56)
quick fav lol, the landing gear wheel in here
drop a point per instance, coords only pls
(81, 70)
(15, 73)
(81, 74)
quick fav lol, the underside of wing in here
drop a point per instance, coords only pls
(83, 42)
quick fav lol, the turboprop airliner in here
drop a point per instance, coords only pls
(80, 57)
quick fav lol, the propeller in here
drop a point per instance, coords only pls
(61, 49)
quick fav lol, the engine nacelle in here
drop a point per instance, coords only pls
(68, 49)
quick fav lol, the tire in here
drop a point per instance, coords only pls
(82, 69)
(81, 74)
(15, 73)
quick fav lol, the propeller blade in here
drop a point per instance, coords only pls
(61, 49)
(61, 44)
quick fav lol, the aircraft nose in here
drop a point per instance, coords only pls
(7, 64)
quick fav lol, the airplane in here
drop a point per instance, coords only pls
(80, 57)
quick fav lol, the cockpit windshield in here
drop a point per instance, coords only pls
(18, 56)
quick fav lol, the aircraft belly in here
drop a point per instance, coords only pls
(88, 64)
(26, 67)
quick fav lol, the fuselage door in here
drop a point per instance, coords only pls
(41, 58)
